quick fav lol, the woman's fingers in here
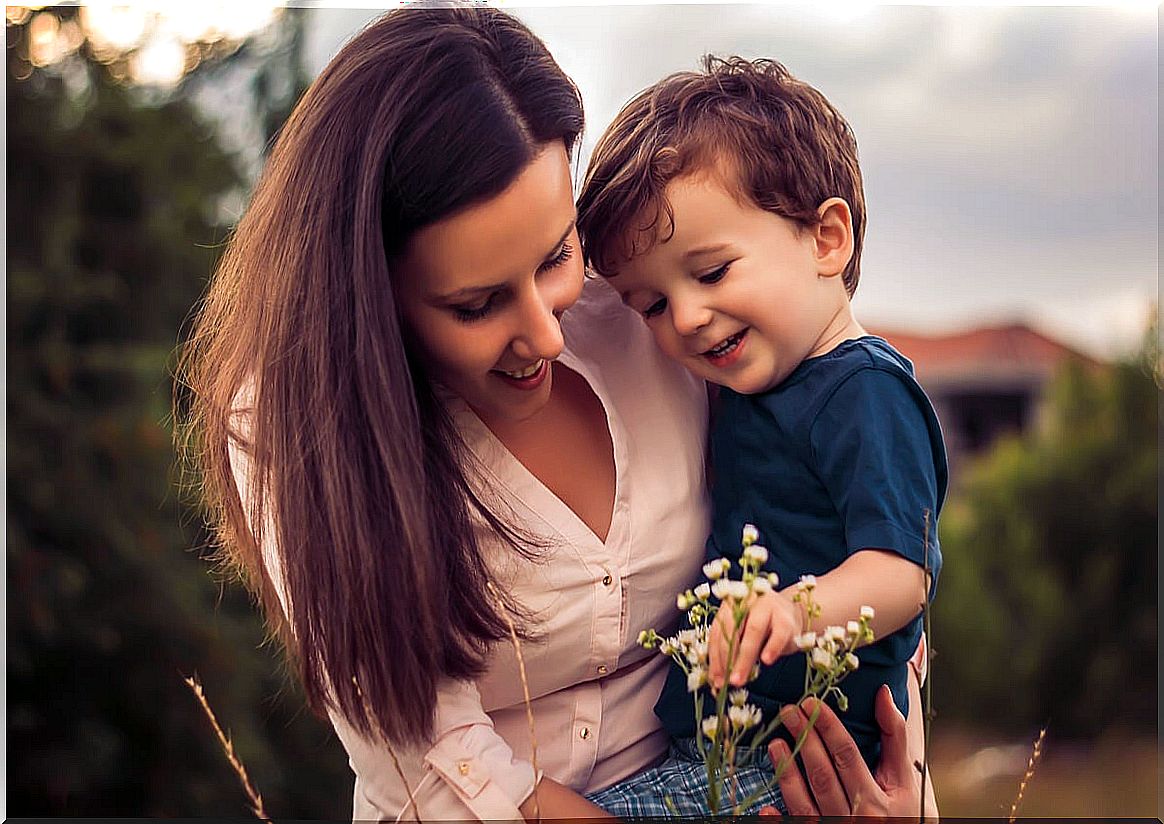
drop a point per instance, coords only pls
(848, 764)
(795, 792)
(894, 769)
(818, 766)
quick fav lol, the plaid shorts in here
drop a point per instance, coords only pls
(678, 786)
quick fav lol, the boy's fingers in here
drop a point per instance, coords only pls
(717, 647)
(752, 638)
(775, 645)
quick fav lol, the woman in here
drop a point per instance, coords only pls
(407, 442)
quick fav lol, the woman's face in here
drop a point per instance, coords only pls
(481, 291)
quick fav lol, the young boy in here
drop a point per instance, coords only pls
(726, 207)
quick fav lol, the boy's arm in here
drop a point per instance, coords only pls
(893, 585)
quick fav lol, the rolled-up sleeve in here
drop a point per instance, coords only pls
(467, 771)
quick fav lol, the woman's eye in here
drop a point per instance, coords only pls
(566, 252)
(715, 276)
(655, 308)
(468, 314)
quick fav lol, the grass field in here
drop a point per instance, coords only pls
(979, 775)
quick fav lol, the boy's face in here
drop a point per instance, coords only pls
(738, 295)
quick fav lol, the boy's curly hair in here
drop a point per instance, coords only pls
(785, 145)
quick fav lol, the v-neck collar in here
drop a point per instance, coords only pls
(511, 475)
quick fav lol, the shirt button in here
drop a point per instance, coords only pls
(584, 733)
(607, 580)
(602, 669)
(463, 767)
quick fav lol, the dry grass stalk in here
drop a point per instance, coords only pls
(228, 747)
(1034, 759)
(928, 630)
(395, 761)
(533, 741)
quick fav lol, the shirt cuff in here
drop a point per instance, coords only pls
(481, 770)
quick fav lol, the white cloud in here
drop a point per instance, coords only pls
(1010, 153)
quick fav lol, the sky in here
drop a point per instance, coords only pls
(1009, 152)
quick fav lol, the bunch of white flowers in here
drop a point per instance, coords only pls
(721, 737)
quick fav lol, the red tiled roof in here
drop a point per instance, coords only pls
(1012, 350)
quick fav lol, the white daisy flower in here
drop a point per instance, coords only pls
(756, 553)
(703, 592)
(867, 613)
(805, 642)
(751, 535)
(696, 679)
(744, 717)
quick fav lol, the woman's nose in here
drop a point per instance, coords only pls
(540, 335)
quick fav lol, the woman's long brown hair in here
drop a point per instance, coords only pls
(356, 474)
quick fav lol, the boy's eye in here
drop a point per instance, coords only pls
(715, 276)
(470, 313)
(655, 308)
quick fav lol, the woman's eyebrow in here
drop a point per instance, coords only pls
(470, 291)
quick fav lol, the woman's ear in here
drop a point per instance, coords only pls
(833, 237)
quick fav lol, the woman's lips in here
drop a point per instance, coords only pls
(529, 377)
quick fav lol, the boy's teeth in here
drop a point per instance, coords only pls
(529, 371)
(725, 347)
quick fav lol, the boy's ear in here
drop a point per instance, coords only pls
(833, 237)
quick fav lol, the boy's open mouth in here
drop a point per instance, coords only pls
(726, 346)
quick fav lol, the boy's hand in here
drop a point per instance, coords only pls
(772, 623)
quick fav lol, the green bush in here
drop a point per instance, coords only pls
(1046, 611)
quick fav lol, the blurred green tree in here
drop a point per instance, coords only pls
(114, 208)
(1047, 609)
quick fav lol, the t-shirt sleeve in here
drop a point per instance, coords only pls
(877, 448)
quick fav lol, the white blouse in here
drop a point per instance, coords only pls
(592, 687)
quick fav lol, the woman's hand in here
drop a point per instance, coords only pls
(838, 781)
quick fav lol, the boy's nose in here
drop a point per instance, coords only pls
(689, 319)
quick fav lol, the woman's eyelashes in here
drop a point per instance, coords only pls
(470, 313)
(563, 255)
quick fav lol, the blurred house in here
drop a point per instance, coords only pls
(984, 382)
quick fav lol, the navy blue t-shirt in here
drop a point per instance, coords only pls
(845, 454)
